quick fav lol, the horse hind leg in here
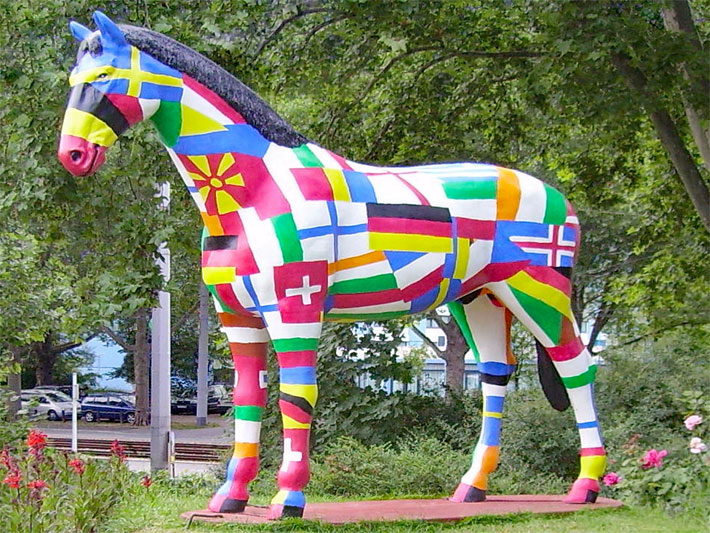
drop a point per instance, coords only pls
(248, 341)
(540, 298)
(486, 327)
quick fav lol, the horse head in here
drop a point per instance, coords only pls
(113, 86)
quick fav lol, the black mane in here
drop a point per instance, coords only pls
(245, 101)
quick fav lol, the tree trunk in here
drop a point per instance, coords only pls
(670, 139)
(201, 414)
(45, 358)
(14, 385)
(455, 365)
(141, 368)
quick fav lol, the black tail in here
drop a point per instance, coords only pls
(550, 380)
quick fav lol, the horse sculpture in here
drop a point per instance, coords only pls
(295, 235)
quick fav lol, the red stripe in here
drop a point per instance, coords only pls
(219, 258)
(341, 161)
(250, 349)
(567, 351)
(294, 412)
(243, 321)
(490, 274)
(292, 359)
(226, 294)
(551, 277)
(348, 301)
(129, 107)
(248, 391)
(475, 229)
(591, 451)
(313, 183)
(409, 225)
(411, 187)
(425, 284)
(213, 99)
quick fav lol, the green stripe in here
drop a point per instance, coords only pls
(252, 413)
(167, 120)
(295, 345)
(470, 190)
(548, 318)
(346, 317)
(380, 282)
(457, 311)
(306, 156)
(287, 234)
(555, 208)
(582, 379)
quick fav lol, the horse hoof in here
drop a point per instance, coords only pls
(583, 491)
(468, 493)
(220, 504)
(287, 504)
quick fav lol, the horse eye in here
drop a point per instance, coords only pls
(102, 76)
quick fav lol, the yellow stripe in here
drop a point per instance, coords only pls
(592, 466)
(280, 497)
(134, 83)
(443, 289)
(290, 423)
(462, 247)
(410, 243)
(492, 414)
(307, 392)
(354, 262)
(88, 127)
(88, 76)
(217, 275)
(337, 183)
(545, 293)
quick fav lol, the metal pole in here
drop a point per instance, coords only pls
(160, 362)
(202, 357)
(74, 417)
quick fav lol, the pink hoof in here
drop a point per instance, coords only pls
(223, 504)
(584, 490)
(468, 493)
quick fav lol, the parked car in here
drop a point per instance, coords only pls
(109, 406)
(184, 400)
(223, 396)
(66, 389)
(52, 404)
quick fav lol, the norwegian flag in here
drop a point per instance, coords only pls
(556, 249)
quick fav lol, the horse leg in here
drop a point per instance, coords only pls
(296, 347)
(540, 298)
(486, 327)
(248, 341)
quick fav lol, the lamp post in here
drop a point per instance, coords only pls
(160, 360)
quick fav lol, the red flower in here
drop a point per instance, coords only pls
(36, 440)
(77, 465)
(6, 459)
(146, 481)
(118, 450)
(12, 480)
(37, 484)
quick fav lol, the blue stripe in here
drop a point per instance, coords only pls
(334, 223)
(491, 431)
(454, 289)
(424, 301)
(154, 91)
(192, 188)
(298, 375)
(494, 404)
(116, 86)
(295, 499)
(351, 230)
(398, 260)
(241, 138)
(148, 64)
(587, 425)
(495, 369)
(315, 232)
(359, 186)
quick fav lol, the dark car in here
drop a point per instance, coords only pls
(184, 398)
(109, 406)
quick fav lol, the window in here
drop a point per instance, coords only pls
(441, 341)
(96, 399)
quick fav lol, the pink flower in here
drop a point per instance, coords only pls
(77, 465)
(12, 480)
(6, 459)
(692, 421)
(697, 445)
(611, 479)
(146, 481)
(653, 459)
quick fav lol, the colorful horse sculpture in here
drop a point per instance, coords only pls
(295, 235)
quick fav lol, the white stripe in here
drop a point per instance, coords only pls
(279, 161)
(363, 271)
(590, 438)
(245, 335)
(479, 255)
(312, 214)
(262, 240)
(533, 199)
(418, 269)
(280, 330)
(246, 431)
(193, 100)
(324, 157)
(504, 294)
(575, 366)
(319, 248)
(582, 402)
(390, 190)
(487, 324)
(240, 291)
(353, 245)
(488, 389)
(366, 309)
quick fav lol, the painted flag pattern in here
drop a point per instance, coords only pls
(295, 234)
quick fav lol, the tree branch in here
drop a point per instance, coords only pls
(431, 344)
(179, 322)
(118, 339)
(274, 33)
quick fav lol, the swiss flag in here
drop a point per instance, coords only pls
(300, 290)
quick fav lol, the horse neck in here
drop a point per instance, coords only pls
(219, 156)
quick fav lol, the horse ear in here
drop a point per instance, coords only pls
(78, 31)
(109, 31)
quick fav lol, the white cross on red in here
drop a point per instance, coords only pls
(305, 291)
(290, 455)
(554, 246)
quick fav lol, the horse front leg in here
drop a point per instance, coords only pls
(298, 393)
(248, 341)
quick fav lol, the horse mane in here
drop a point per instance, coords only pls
(255, 111)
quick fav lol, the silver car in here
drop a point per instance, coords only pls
(53, 405)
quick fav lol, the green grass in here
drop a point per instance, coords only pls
(160, 508)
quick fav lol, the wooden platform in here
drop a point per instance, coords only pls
(441, 510)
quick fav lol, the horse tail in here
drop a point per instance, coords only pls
(550, 379)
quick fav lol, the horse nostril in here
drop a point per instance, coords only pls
(75, 155)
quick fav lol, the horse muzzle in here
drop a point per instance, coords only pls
(79, 156)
